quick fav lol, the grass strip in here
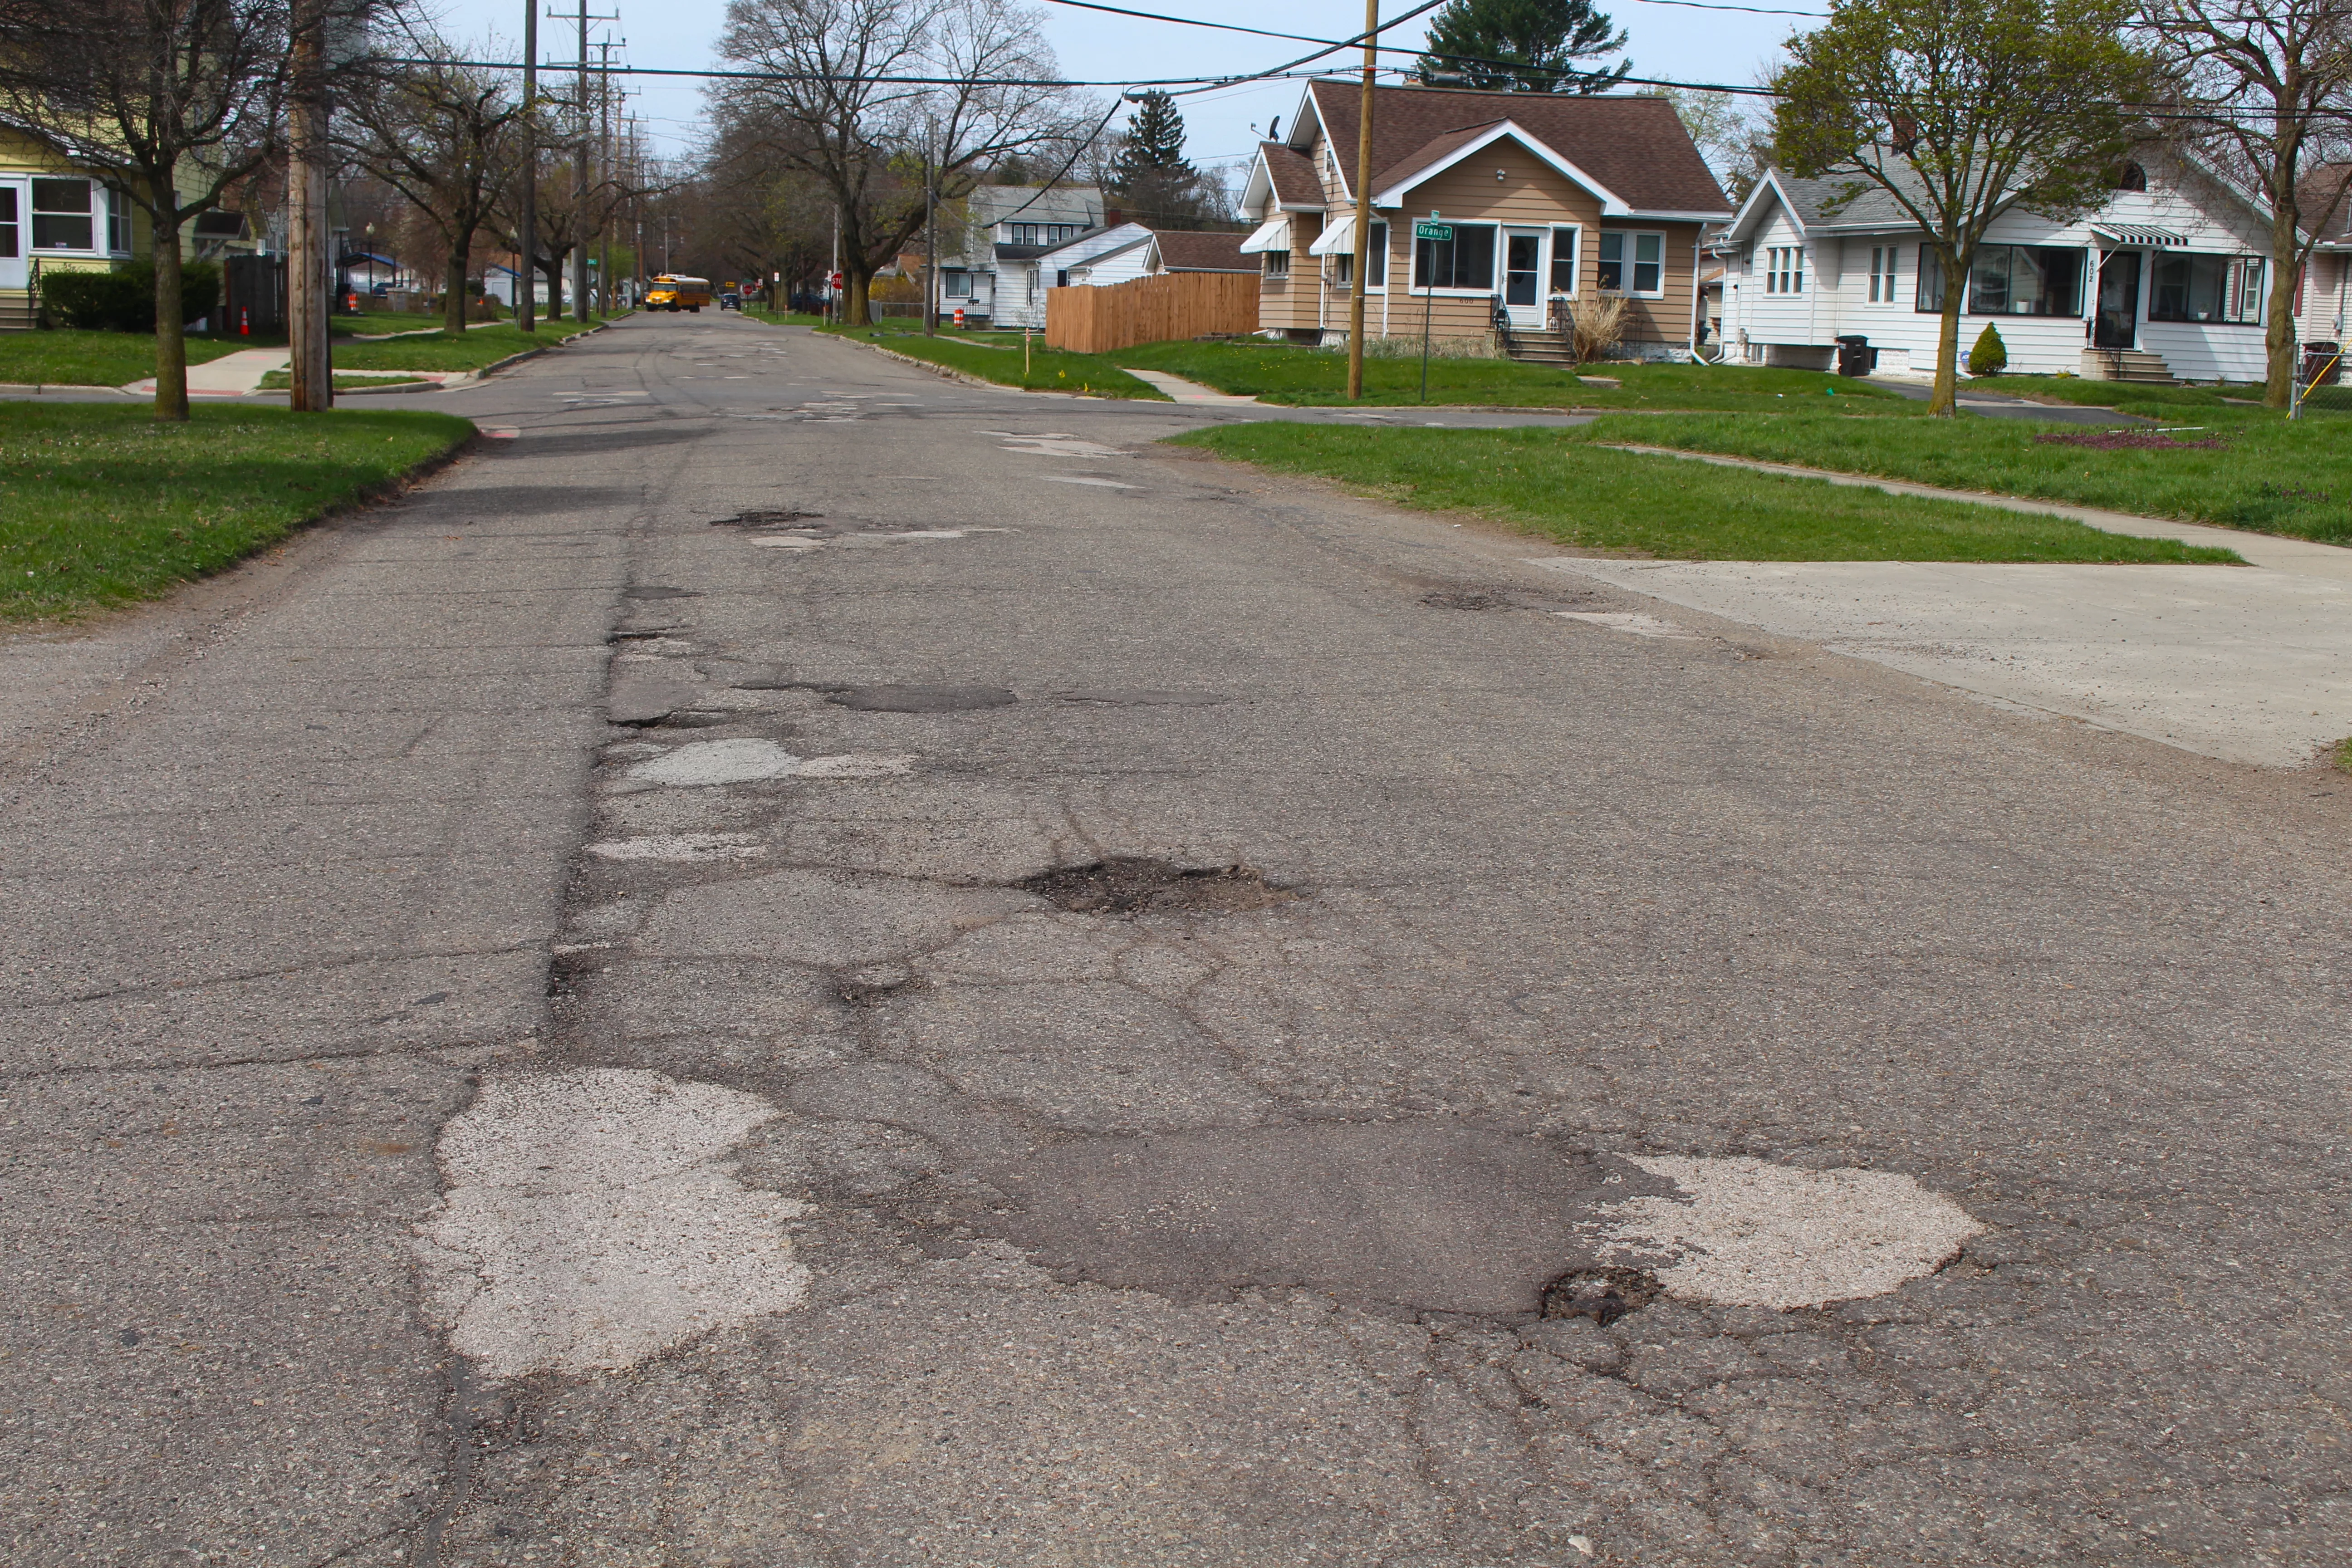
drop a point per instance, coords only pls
(102, 505)
(472, 350)
(71, 358)
(783, 318)
(1280, 373)
(2263, 473)
(281, 380)
(1558, 484)
(1046, 370)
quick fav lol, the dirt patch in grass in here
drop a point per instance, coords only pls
(2121, 441)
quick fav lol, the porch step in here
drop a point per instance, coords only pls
(1539, 347)
(2126, 364)
(19, 312)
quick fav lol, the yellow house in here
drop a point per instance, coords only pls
(1547, 198)
(56, 218)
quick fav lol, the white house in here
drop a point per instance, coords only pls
(1094, 259)
(1005, 228)
(2170, 278)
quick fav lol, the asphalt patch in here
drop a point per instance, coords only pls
(919, 699)
(1604, 1295)
(780, 519)
(1428, 1216)
(1133, 884)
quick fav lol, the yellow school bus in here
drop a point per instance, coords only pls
(671, 292)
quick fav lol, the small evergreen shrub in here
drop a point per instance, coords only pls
(123, 299)
(1990, 356)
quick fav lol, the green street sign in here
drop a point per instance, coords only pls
(1432, 231)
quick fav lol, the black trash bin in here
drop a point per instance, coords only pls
(1855, 356)
(2321, 364)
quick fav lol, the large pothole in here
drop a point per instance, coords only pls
(1133, 884)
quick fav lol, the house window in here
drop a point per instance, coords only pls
(1277, 264)
(2227, 288)
(1784, 269)
(8, 221)
(1465, 262)
(1563, 260)
(1062, 278)
(1375, 259)
(117, 223)
(1882, 274)
(1057, 233)
(1928, 300)
(1021, 232)
(955, 282)
(2025, 281)
(1344, 272)
(1639, 258)
(61, 219)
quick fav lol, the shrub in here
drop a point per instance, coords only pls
(123, 301)
(1990, 356)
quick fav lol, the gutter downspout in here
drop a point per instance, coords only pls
(1698, 287)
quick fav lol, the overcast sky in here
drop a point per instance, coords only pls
(1668, 41)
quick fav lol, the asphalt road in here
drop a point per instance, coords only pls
(799, 963)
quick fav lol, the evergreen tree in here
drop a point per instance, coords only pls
(1538, 42)
(1150, 177)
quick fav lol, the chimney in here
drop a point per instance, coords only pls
(1113, 217)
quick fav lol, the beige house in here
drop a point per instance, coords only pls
(1550, 198)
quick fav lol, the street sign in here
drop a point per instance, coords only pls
(1443, 231)
(835, 281)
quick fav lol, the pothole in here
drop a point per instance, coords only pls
(864, 986)
(764, 519)
(919, 699)
(1463, 599)
(1604, 1295)
(1130, 884)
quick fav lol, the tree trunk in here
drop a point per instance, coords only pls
(550, 267)
(171, 330)
(854, 312)
(1943, 403)
(2278, 389)
(453, 302)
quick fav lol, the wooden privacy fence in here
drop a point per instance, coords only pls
(1168, 305)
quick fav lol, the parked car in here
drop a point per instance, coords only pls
(730, 301)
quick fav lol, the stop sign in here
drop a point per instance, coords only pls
(836, 280)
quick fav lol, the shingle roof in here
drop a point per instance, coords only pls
(1815, 202)
(1636, 146)
(1064, 203)
(1295, 182)
(1187, 251)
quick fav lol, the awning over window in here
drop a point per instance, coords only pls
(2138, 238)
(1273, 233)
(1337, 238)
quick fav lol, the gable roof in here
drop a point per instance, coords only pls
(1634, 147)
(1185, 250)
(1291, 174)
(1091, 246)
(1810, 203)
(991, 205)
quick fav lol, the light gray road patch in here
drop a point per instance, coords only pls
(589, 1223)
(740, 761)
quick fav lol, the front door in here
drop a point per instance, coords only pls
(1523, 272)
(15, 235)
(2118, 323)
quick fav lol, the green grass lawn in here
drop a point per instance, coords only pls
(100, 504)
(280, 380)
(479, 346)
(2128, 396)
(1281, 372)
(1046, 370)
(1560, 484)
(2263, 473)
(782, 317)
(66, 358)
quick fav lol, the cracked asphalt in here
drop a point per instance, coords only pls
(539, 1026)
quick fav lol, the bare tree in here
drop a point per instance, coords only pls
(438, 132)
(845, 106)
(2263, 88)
(168, 101)
(1961, 110)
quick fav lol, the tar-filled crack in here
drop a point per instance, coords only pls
(773, 519)
(1136, 884)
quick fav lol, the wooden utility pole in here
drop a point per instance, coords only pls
(604, 163)
(930, 236)
(1363, 209)
(580, 183)
(527, 239)
(310, 270)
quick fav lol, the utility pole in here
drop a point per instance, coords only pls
(527, 240)
(931, 235)
(604, 157)
(1363, 211)
(580, 183)
(309, 268)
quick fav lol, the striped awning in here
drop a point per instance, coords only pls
(1337, 238)
(1273, 233)
(2138, 238)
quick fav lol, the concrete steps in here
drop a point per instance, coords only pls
(19, 312)
(1537, 347)
(2126, 364)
